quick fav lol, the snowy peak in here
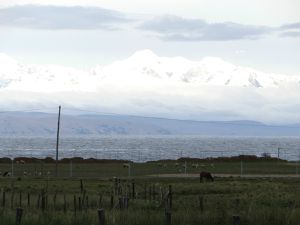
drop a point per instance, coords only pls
(142, 68)
(146, 55)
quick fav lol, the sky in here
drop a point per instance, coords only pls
(83, 33)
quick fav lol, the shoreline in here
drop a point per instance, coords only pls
(251, 158)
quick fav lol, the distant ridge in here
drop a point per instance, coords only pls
(44, 124)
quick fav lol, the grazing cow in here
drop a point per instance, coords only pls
(207, 176)
(25, 173)
(22, 161)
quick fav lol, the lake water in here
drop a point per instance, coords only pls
(145, 148)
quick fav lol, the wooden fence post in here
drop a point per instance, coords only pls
(111, 201)
(101, 217)
(20, 199)
(121, 203)
(145, 191)
(170, 196)
(38, 201)
(75, 205)
(3, 199)
(236, 220)
(133, 190)
(54, 200)
(43, 200)
(19, 216)
(100, 200)
(200, 197)
(79, 204)
(168, 216)
(12, 199)
(28, 199)
(126, 202)
(81, 185)
(65, 204)
(86, 203)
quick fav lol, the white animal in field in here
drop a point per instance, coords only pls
(22, 162)
(6, 174)
(126, 165)
(24, 173)
(195, 165)
(164, 165)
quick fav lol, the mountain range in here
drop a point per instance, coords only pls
(142, 67)
(148, 85)
(14, 124)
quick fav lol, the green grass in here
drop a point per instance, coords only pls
(105, 170)
(258, 201)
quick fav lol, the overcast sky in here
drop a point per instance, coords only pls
(264, 34)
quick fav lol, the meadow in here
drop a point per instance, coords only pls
(150, 193)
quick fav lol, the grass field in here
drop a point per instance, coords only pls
(74, 200)
(107, 169)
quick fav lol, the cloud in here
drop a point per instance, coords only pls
(290, 34)
(290, 30)
(61, 17)
(174, 28)
(290, 26)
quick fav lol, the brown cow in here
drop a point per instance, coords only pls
(207, 176)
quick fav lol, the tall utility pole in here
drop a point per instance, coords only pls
(57, 142)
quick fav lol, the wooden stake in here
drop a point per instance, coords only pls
(101, 217)
(19, 214)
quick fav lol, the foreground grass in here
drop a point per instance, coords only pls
(257, 201)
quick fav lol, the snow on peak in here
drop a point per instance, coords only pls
(144, 54)
(141, 69)
(7, 63)
(217, 63)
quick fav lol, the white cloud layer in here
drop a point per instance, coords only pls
(61, 17)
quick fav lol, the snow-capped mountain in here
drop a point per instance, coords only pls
(148, 85)
(143, 67)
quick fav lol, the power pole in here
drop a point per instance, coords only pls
(57, 142)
